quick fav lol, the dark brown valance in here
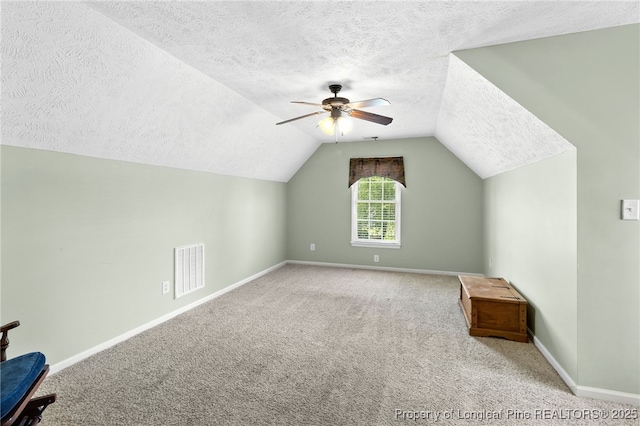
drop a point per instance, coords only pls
(389, 167)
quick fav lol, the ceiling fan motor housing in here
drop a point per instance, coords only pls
(334, 102)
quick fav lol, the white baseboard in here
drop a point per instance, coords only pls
(121, 338)
(380, 268)
(555, 364)
(608, 395)
(586, 391)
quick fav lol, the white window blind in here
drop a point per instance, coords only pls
(375, 212)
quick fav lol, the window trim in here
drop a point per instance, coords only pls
(355, 242)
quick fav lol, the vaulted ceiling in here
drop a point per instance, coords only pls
(200, 84)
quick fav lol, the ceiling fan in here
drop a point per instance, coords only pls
(341, 109)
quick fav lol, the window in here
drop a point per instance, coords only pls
(375, 212)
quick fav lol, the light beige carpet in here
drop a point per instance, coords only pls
(307, 345)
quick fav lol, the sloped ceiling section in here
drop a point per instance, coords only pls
(486, 129)
(76, 82)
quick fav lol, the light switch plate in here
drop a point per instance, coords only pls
(630, 210)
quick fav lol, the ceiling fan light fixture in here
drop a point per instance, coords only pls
(327, 125)
(345, 124)
(339, 125)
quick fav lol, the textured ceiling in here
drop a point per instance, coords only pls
(200, 85)
(502, 135)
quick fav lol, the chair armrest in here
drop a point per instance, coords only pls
(9, 326)
(4, 341)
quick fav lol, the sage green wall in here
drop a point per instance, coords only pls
(530, 238)
(586, 87)
(87, 242)
(441, 208)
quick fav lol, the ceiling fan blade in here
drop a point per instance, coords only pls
(368, 103)
(363, 115)
(302, 116)
(306, 103)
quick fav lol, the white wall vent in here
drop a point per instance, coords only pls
(189, 269)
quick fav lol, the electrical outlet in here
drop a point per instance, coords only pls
(376, 258)
(166, 287)
(312, 247)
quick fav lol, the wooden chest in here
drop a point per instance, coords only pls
(493, 308)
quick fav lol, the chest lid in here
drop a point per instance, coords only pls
(495, 289)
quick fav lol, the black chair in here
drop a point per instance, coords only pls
(20, 378)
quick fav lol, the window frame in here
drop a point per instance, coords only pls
(357, 242)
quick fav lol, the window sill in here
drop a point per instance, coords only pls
(375, 244)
